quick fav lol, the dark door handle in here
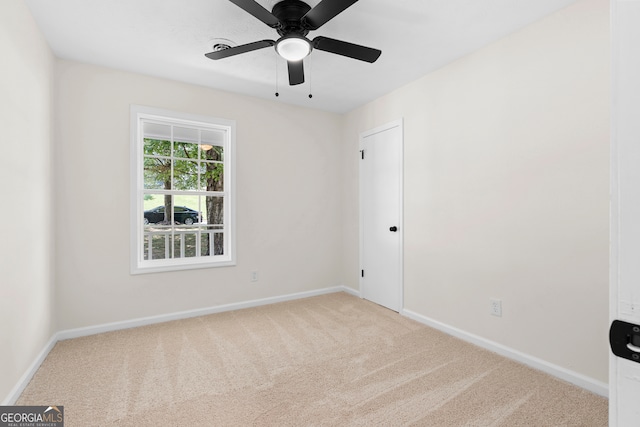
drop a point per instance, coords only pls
(625, 340)
(394, 228)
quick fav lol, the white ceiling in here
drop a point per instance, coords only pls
(168, 38)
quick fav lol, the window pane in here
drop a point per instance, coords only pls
(178, 244)
(156, 147)
(185, 175)
(186, 134)
(214, 210)
(159, 244)
(189, 244)
(157, 139)
(218, 244)
(205, 244)
(213, 138)
(145, 247)
(185, 150)
(215, 153)
(202, 183)
(186, 210)
(154, 208)
(157, 230)
(212, 176)
(157, 173)
(211, 240)
(186, 142)
(210, 142)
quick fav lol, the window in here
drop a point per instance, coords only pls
(182, 191)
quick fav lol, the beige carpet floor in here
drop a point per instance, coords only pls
(331, 360)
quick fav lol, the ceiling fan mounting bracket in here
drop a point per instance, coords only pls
(290, 13)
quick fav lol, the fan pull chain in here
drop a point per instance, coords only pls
(310, 62)
(277, 93)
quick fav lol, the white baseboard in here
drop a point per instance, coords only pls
(351, 291)
(572, 377)
(30, 372)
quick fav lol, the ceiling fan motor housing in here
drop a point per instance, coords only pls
(290, 13)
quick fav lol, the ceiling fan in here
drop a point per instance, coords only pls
(293, 19)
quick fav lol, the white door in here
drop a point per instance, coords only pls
(624, 374)
(381, 225)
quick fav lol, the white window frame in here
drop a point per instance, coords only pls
(139, 265)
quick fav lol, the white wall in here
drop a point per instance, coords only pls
(288, 201)
(26, 301)
(506, 189)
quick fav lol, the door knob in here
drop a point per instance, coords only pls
(624, 339)
(394, 228)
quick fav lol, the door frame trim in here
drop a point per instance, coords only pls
(624, 204)
(399, 123)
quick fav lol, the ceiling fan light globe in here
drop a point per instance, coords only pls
(293, 48)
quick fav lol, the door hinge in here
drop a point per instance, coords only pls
(362, 273)
(362, 154)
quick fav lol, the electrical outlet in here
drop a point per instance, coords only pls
(254, 276)
(495, 307)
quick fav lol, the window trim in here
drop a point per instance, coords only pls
(138, 264)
